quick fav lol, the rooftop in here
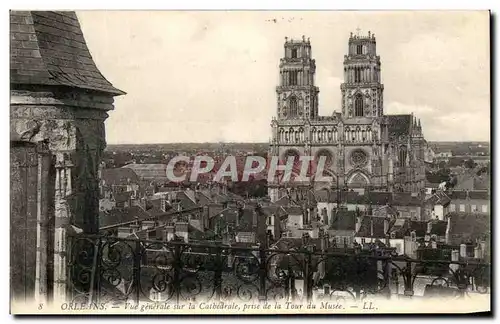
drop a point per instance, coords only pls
(48, 48)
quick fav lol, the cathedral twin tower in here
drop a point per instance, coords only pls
(364, 148)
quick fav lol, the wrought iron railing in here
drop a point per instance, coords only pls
(110, 269)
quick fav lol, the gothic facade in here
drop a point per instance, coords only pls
(364, 148)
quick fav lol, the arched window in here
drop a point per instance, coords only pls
(294, 107)
(402, 156)
(359, 49)
(358, 106)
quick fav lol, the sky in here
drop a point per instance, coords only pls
(211, 76)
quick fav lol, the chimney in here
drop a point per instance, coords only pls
(204, 217)
(181, 229)
(163, 204)
(359, 219)
(386, 225)
(305, 239)
(463, 250)
(169, 229)
(477, 252)
(483, 249)
(454, 258)
(230, 260)
(254, 218)
(448, 230)
(326, 242)
(371, 226)
(239, 214)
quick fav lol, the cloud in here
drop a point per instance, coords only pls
(209, 76)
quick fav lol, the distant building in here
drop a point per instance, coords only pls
(149, 172)
(363, 146)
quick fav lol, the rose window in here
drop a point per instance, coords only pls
(359, 158)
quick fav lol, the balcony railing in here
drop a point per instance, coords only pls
(110, 269)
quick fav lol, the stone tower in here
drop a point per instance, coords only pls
(362, 90)
(365, 149)
(297, 95)
(59, 101)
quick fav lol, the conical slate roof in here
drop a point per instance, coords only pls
(48, 48)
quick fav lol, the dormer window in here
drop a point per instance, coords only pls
(393, 235)
(413, 236)
(294, 53)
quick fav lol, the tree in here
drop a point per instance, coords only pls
(470, 164)
(454, 161)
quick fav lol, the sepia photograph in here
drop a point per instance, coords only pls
(250, 162)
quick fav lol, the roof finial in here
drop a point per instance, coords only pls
(303, 38)
(357, 31)
(286, 39)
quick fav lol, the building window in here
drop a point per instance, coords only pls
(294, 107)
(294, 53)
(484, 208)
(462, 207)
(363, 241)
(402, 156)
(345, 241)
(452, 208)
(357, 74)
(358, 106)
(393, 235)
(473, 208)
(413, 214)
(359, 49)
(293, 77)
(413, 236)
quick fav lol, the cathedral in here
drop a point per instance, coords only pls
(364, 148)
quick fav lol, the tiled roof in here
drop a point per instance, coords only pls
(293, 210)
(405, 199)
(123, 196)
(476, 194)
(119, 176)
(455, 194)
(439, 227)
(48, 48)
(118, 216)
(468, 226)
(149, 171)
(398, 125)
(420, 228)
(398, 228)
(352, 197)
(440, 198)
(385, 211)
(482, 183)
(343, 220)
(368, 223)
